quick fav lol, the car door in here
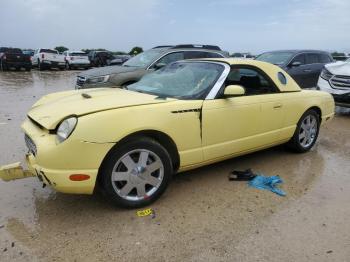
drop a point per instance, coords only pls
(233, 125)
(299, 71)
(315, 66)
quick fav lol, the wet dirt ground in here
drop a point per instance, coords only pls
(201, 217)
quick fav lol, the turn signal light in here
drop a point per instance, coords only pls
(79, 177)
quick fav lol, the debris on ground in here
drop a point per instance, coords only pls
(245, 175)
(267, 183)
(1, 226)
(329, 251)
(146, 212)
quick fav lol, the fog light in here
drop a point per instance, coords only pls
(79, 177)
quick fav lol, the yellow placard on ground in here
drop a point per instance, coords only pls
(143, 213)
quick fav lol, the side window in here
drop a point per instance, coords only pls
(324, 58)
(299, 58)
(195, 54)
(213, 55)
(311, 58)
(254, 82)
(172, 57)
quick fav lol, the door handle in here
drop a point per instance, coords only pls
(307, 70)
(277, 106)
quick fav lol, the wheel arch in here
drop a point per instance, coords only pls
(162, 138)
(318, 111)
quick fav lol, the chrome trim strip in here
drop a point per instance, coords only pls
(216, 88)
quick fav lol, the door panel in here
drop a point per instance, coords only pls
(239, 124)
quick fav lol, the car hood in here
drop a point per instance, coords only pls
(108, 70)
(53, 108)
(339, 68)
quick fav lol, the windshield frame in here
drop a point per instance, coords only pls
(207, 94)
(290, 58)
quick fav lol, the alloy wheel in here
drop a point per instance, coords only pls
(308, 131)
(137, 175)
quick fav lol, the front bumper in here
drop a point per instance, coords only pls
(341, 96)
(54, 164)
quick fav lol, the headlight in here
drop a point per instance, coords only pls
(98, 79)
(325, 74)
(66, 128)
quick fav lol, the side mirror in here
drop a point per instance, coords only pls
(295, 64)
(159, 66)
(234, 90)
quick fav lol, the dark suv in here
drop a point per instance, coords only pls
(133, 69)
(304, 66)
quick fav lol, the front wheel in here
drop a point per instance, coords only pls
(306, 133)
(136, 173)
(3, 66)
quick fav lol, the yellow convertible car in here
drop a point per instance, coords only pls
(130, 141)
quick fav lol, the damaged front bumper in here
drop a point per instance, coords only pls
(14, 171)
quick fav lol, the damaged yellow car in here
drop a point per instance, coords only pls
(129, 141)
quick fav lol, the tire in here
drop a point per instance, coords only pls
(28, 68)
(306, 133)
(40, 66)
(3, 66)
(129, 187)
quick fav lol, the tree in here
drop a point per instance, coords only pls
(61, 49)
(136, 50)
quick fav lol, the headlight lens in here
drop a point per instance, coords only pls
(66, 128)
(98, 79)
(325, 74)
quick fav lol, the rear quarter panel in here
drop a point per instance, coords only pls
(295, 104)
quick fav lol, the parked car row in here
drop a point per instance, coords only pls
(304, 66)
(44, 58)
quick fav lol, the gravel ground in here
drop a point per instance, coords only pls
(201, 217)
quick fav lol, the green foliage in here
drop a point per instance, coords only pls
(136, 50)
(61, 49)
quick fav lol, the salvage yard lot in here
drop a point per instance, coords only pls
(201, 217)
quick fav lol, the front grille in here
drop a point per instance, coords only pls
(30, 144)
(341, 82)
(81, 80)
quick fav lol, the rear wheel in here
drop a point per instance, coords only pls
(136, 173)
(40, 65)
(306, 133)
(28, 68)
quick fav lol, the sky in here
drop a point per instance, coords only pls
(235, 25)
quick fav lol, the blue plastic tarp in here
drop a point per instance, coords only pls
(267, 183)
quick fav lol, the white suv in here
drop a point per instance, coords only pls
(76, 59)
(335, 79)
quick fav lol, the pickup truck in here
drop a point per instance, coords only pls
(14, 58)
(47, 59)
